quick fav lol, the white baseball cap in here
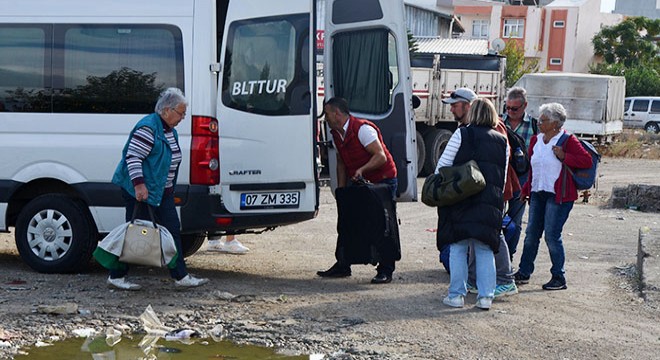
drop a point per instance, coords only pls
(461, 94)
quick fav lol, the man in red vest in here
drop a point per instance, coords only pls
(361, 154)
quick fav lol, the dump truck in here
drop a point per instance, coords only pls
(435, 78)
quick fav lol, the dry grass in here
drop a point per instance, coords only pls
(636, 144)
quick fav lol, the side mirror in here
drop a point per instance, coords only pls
(416, 102)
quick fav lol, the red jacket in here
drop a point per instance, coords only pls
(576, 157)
(511, 185)
(354, 155)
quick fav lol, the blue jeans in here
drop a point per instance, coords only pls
(503, 270)
(166, 216)
(485, 262)
(545, 215)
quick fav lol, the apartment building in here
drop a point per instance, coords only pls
(648, 8)
(558, 34)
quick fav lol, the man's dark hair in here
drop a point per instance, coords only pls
(339, 103)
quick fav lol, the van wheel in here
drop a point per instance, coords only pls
(190, 243)
(652, 127)
(55, 234)
(436, 141)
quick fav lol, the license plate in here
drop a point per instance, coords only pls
(270, 200)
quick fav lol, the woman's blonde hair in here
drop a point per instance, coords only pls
(482, 113)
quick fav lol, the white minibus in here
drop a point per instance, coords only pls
(76, 75)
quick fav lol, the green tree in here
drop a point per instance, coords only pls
(516, 64)
(413, 46)
(631, 49)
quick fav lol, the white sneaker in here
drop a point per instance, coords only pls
(456, 301)
(484, 303)
(190, 281)
(123, 284)
(232, 247)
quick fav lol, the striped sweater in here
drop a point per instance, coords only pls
(139, 148)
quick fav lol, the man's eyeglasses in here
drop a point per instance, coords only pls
(180, 114)
(513, 108)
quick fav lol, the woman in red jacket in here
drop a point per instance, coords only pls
(550, 194)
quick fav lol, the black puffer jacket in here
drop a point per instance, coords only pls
(480, 216)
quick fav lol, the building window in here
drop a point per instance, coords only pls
(480, 29)
(514, 28)
(559, 24)
(555, 61)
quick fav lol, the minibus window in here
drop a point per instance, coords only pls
(365, 69)
(24, 68)
(115, 68)
(263, 69)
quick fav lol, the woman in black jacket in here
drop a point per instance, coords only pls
(476, 220)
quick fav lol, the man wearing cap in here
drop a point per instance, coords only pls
(460, 101)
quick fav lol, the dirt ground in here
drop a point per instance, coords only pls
(282, 303)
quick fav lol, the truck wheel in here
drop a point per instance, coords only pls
(436, 141)
(190, 243)
(652, 127)
(421, 153)
(55, 234)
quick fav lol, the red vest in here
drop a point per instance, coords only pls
(354, 155)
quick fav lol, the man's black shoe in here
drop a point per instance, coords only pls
(555, 283)
(381, 279)
(335, 271)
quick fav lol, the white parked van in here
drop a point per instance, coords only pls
(642, 112)
(76, 75)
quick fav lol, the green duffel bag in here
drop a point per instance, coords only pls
(453, 184)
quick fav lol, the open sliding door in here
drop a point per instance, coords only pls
(366, 61)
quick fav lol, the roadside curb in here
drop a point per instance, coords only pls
(648, 263)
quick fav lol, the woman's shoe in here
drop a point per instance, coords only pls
(123, 284)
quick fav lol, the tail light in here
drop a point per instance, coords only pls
(204, 152)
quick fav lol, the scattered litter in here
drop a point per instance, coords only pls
(152, 325)
(584, 257)
(42, 344)
(148, 343)
(620, 218)
(84, 332)
(112, 336)
(223, 295)
(431, 230)
(217, 333)
(181, 334)
(66, 308)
